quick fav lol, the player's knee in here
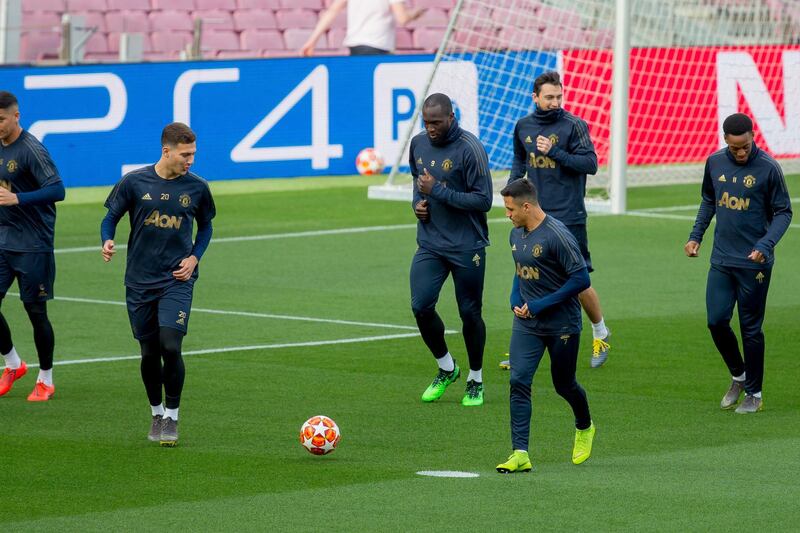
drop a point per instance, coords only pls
(37, 313)
(718, 323)
(565, 388)
(519, 381)
(471, 316)
(170, 341)
(423, 310)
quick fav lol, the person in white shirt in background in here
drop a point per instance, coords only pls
(370, 25)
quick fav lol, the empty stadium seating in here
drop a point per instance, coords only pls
(267, 28)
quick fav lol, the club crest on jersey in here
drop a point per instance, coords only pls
(42, 291)
(553, 138)
(181, 318)
(447, 165)
(749, 181)
(537, 250)
(11, 166)
(185, 200)
(477, 260)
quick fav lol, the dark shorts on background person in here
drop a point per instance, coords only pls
(168, 307)
(364, 50)
(579, 232)
(36, 272)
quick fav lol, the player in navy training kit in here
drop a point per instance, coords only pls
(452, 193)
(29, 188)
(550, 273)
(553, 148)
(744, 187)
(162, 201)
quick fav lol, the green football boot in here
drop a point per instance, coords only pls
(583, 444)
(473, 396)
(517, 462)
(440, 383)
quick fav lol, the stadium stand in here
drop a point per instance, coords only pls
(277, 28)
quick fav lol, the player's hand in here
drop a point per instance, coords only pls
(691, 248)
(757, 257)
(108, 250)
(543, 144)
(307, 50)
(421, 210)
(7, 197)
(522, 312)
(426, 182)
(185, 269)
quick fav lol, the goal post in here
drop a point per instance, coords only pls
(653, 118)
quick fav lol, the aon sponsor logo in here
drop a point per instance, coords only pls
(163, 221)
(733, 202)
(526, 272)
(540, 161)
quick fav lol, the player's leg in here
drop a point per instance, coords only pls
(751, 297)
(14, 368)
(525, 353)
(428, 273)
(143, 315)
(469, 271)
(44, 339)
(563, 361)
(174, 308)
(720, 299)
(36, 273)
(590, 302)
(151, 372)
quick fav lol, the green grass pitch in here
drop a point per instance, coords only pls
(665, 456)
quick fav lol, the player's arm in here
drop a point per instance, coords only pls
(515, 299)
(781, 208)
(206, 212)
(577, 282)
(579, 155)
(519, 165)
(51, 188)
(49, 194)
(478, 196)
(705, 213)
(117, 205)
(325, 21)
(403, 15)
(418, 203)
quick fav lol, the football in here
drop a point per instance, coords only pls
(320, 435)
(369, 161)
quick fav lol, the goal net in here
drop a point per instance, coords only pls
(692, 63)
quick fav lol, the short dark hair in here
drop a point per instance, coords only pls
(7, 100)
(439, 99)
(521, 189)
(177, 133)
(552, 77)
(737, 124)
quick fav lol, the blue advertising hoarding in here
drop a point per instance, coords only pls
(254, 118)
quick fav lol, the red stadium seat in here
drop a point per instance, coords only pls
(215, 19)
(308, 4)
(428, 39)
(336, 38)
(404, 40)
(296, 18)
(238, 54)
(170, 41)
(171, 21)
(214, 41)
(181, 5)
(35, 46)
(249, 19)
(432, 18)
(204, 5)
(87, 5)
(128, 5)
(40, 20)
(127, 21)
(258, 4)
(92, 19)
(56, 6)
(296, 37)
(261, 40)
(446, 4)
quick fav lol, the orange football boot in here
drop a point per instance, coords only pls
(41, 392)
(10, 376)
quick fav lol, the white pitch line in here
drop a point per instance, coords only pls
(352, 340)
(248, 314)
(273, 236)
